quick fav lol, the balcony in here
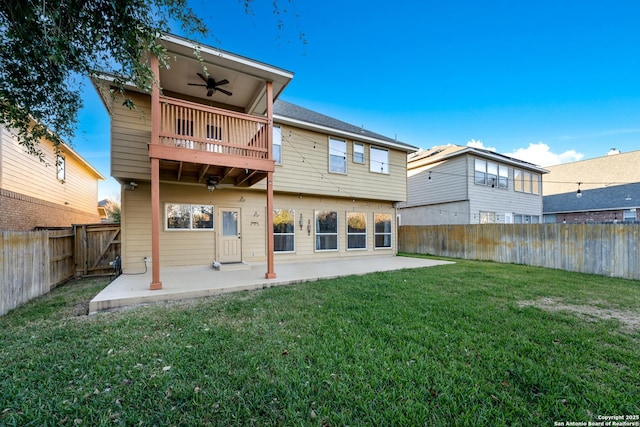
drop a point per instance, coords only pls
(197, 143)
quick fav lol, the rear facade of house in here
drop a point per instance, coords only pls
(238, 168)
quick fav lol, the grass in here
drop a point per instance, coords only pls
(472, 343)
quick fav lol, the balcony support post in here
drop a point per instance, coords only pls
(155, 178)
(271, 274)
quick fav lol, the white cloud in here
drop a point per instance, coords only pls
(479, 144)
(540, 154)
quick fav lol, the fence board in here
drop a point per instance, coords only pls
(604, 249)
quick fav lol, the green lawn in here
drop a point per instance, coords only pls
(473, 343)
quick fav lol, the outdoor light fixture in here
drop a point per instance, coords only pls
(131, 186)
(211, 184)
(309, 227)
(579, 192)
(301, 222)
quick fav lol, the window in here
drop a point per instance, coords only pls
(480, 175)
(337, 156)
(356, 230)
(535, 183)
(492, 174)
(326, 231)
(60, 168)
(277, 144)
(188, 217)
(379, 160)
(526, 182)
(629, 215)
(517, 180)
(503, 176)
(526, 219)
(214, 132)
(382, 230)
(487, 217)
(283, 230)
(358, 153)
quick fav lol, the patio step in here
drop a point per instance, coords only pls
(232, 266)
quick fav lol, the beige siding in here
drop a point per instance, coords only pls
(130, 134)
(181, 248)
(305, 169)
(25, 174)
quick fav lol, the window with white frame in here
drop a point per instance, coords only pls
(277, 144)
(337, 155)
(358, 152)
(61, 167)
(629, 215)
(487, 217)
(480, 172)
(503, 176)
(180, 216)
(378, 160)
(382, 230)
(526, 182)
(284, 230)
(326, 231)
(356, 230)
(526, 219)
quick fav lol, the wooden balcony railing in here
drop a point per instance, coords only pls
(198, 127)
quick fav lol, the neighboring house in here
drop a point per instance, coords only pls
(617, 203)
(213, 171)
(608, 187)
(57, 193)
(615, 168)
(452, 184)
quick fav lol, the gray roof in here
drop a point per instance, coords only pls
(295, 112)
(625, 196)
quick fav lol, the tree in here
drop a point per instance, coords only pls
(112, 208)
(47, 46)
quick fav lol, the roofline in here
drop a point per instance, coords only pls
(326, 129)
(227, 55)
(487, 154)
(590, 210)
(83, 161)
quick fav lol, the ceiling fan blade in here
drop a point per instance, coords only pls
(226, 92)
(196, 84)
(222, 82)
(203, 77)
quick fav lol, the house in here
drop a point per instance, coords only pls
(616, 203)
(452, 184)
(215, 171)
(608, 188)
(615, 168)
(59, 192)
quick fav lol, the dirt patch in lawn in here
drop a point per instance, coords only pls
(628, 319)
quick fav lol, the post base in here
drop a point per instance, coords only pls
(154, 286)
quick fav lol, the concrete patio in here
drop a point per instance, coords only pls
(195, 282)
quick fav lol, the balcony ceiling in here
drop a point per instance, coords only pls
(246, 77)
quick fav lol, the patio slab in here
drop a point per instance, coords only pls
(196, 282)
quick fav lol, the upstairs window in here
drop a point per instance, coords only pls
(379, 161)
(503, 176)
(480, 175)
(337, 156)
(358, 153)
(277, 144)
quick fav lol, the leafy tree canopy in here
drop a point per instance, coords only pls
(46, 46)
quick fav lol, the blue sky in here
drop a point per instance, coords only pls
(546, 81)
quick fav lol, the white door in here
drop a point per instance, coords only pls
(230, 239)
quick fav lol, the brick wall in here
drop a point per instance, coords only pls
(591, 217)
(21, 213)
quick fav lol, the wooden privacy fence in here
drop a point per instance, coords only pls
(605, 249)
(34, 262)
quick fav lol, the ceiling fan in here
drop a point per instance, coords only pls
(212, 85)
